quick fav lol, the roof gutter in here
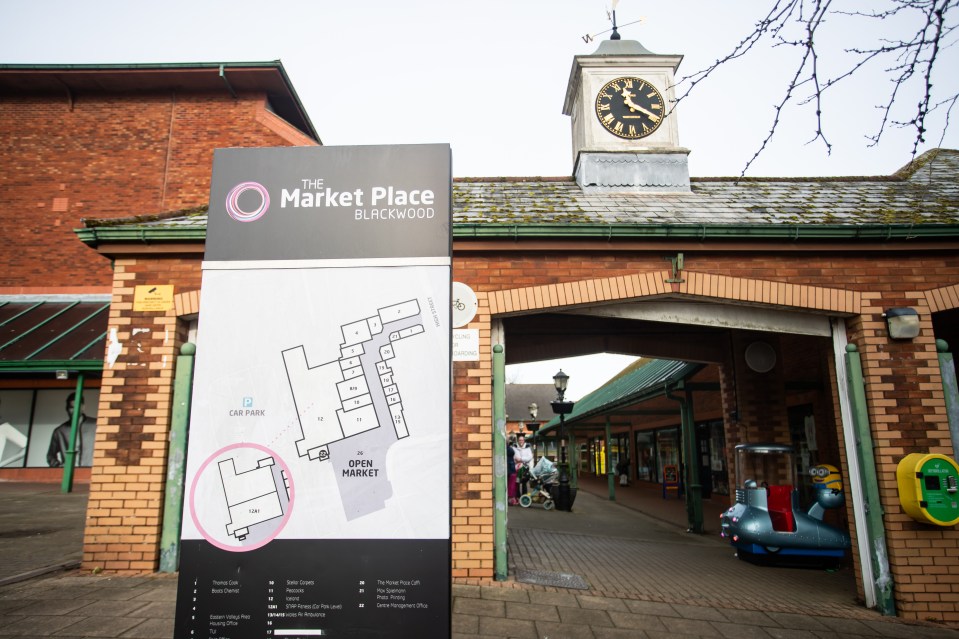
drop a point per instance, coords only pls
(703, 232)
(276, 65)
(51, 366)
(93, 236)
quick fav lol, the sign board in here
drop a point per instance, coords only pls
(466, 345)
(670, 478)
(464, 304)
(153, 297)
(318, 477)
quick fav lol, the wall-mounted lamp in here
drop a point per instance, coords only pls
(61, 374)
(903, 323)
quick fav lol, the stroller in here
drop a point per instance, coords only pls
(543, 475)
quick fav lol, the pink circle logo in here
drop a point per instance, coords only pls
(233, 202)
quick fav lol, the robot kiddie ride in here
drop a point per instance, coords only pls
(766, 522)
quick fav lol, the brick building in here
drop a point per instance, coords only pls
(628, 255)
(103, 141)
(592, 284)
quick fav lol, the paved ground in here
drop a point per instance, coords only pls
(641, 577)
(40, 528)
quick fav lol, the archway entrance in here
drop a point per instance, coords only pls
(750, 374)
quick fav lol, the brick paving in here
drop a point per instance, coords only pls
(647, 578)
(651, 560)
(41, 528)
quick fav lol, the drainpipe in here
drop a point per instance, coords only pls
(694, 489)
(947, 368)
(499, 463)
(856, 478)
(867, 461)
(70, 455)
(609, 469)
(176, 460)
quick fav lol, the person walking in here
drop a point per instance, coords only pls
(512, 489)
(523, 455)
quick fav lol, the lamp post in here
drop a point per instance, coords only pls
(562, 408)
(533, 427)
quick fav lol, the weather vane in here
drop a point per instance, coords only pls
(611, 16)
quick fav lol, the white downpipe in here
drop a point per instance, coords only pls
(839, 343)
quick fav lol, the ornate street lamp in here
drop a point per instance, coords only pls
(533, 427)
(562, 408)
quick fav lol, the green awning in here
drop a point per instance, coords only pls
(644, 380)
(46, 333)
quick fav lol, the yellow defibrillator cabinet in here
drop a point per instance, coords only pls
(929, 488)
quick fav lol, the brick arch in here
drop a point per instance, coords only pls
(694, 284)
(186, 303)
(942, 299)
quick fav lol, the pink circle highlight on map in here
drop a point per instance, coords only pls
(199, 473)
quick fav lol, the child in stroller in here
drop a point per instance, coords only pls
(541, 478)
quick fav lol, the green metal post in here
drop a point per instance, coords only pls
(499, 463)
(176, 460)
(573, 462)
(950, 388)
(70, 455)
(693, 488)
(870, 482)
(609, 468)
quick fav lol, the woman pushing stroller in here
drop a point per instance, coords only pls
(523, 460)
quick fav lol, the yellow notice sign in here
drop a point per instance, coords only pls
(153, 297)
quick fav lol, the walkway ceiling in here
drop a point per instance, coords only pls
(533, 338)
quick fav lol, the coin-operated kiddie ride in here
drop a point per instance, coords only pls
(766, 523)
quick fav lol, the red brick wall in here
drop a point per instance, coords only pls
(124, 513)
(907, 411)
(906, 407)
(109, 156)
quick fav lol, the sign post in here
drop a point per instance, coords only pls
(317, 482)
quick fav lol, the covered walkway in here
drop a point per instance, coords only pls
(618, 550)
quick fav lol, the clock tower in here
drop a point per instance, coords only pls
(625, 136)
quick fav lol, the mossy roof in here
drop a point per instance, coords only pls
(925, 192)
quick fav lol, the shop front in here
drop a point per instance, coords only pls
(51, 360)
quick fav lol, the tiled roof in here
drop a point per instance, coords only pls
(929, 194)
(926, 192)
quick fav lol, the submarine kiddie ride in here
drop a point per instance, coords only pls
(766, 522)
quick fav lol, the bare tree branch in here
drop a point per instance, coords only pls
(911, 62)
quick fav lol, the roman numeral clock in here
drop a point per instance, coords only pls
(630, 107)
(625, 133)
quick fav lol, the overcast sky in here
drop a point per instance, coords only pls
(489, 78)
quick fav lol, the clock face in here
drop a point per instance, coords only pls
(630, 108)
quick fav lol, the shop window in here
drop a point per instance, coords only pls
(35, 424)
(600, 456)
(802, 429)
(667, 447)
(646, 469)
(717, 458)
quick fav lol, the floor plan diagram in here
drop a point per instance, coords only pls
(252, 496)
(248, 493)
(350, 410)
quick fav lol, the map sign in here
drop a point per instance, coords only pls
(318, 473)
